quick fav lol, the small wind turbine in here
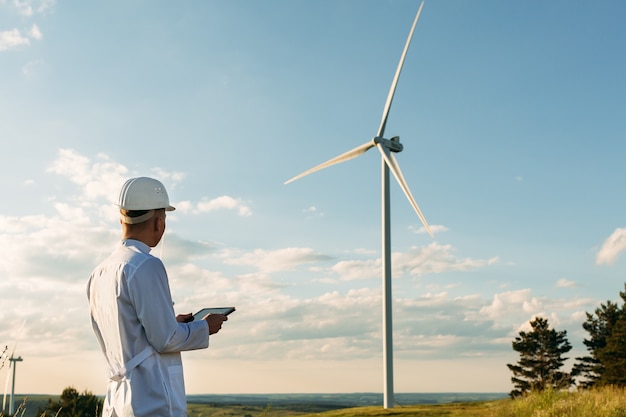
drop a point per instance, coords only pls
(13, 364)
(11, 372)
(385, 146)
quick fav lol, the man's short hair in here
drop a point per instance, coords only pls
(136, 216)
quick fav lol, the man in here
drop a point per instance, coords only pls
(133, 317)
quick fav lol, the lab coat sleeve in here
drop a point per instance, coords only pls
(150, 292)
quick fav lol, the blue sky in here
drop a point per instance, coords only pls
(513, 121)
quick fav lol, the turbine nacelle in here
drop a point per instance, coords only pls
(392, 144)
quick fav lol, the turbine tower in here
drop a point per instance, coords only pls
(386, 147)
(12, 363)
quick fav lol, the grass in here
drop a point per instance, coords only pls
(473, 409)
(478, 409)
(602, 402)
(27, 405)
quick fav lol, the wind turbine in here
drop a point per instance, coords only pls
(12, 364)
(386, 147)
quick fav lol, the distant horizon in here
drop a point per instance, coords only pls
(358, 392)
(313, 393)
(327, 394)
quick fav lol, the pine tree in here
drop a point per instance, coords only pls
(613, 356)
(541, 359)
(599, 326)
(606, 362)
(73, 404)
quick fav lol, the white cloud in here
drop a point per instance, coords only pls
(312, 211)
(564, 283)
(99, 180)
(29, 7)
(45, 5)
(503, 304)
(24, 8)
(35, 33)
(31, 67)
(10, 39)
(435, 228)
(272, 261)
(511, 311)
(183, 206)
(224, 202)
(357, 269)
(435, 258)
(13, 38)
(171, 178)
(612, 247)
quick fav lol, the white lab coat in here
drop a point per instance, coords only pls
(133, 319)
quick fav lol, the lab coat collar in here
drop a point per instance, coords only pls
(142, 247)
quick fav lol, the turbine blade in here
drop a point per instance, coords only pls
(391, 162)
(18, 336)
(3, 358)
(359, 150)
(392, 90)
(6, 386)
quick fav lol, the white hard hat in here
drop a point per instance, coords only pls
(143, 193)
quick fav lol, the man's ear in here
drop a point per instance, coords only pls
(159, 223)
(156, 225)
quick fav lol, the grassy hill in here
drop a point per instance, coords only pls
(605, 402)
(478, 409)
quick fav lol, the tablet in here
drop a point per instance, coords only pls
(213, 310)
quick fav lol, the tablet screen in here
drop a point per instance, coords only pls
(212, 310)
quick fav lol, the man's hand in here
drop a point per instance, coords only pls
(184, 318)
(215, 322)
